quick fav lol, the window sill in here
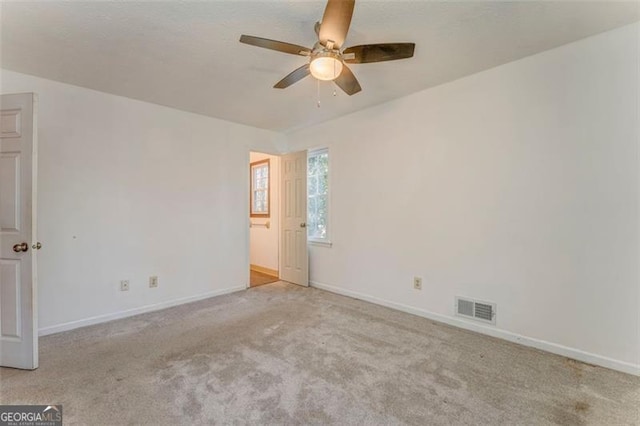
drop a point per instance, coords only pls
(319, 243)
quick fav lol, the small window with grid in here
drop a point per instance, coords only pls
(260, 188)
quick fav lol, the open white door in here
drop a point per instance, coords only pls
(18, 245)
(294, 260)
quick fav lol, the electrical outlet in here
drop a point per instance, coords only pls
(417, 283)
(124, 285)
(153, 282)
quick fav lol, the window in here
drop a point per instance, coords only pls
(318, 195)
(260, 188)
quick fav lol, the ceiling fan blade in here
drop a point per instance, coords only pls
(279, 46)
(347, 81)
(367, 53)
(295, 76)
(335, 22)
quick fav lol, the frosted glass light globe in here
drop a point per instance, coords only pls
(325, 68)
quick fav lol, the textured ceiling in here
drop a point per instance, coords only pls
(186, 54)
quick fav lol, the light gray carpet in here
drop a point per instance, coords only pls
(282, 354)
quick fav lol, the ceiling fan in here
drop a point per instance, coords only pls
(326, 59)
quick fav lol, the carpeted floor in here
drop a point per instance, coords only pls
(282, 354)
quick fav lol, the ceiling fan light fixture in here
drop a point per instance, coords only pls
(328, 60)
(326, 66)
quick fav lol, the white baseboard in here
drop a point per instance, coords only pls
(554, 348)
(131, 312)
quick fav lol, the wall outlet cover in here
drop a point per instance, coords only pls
(417, 283)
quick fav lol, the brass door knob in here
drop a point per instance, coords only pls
(303, 225)
(37, 246)
(21, 247)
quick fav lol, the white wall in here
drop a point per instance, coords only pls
(263, 247)
(128, 190)
(518, 185)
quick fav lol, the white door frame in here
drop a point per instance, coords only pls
(248, 210)
(280, 218)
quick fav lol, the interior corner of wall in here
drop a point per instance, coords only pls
(282, 143)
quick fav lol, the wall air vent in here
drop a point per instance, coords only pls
(476, 310)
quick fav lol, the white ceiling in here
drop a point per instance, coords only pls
(186, 54)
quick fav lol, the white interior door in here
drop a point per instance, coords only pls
(294, 259)
(18, 245)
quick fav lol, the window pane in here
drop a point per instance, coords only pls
(260, 188)
(322, 183)
(317, 190)
(260, 201)
(311, 167)
(321, 205)
(311, 206)
(265, 177)
(312, 185)
(323, 163)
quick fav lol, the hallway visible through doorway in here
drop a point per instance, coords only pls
(264, 172)
(260, 278)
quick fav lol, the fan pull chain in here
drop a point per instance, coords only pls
(335, 74)
(318, 93)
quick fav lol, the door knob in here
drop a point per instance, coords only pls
(21, 247)
(37, 246)
(303, 225)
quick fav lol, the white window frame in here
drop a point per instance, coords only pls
(325, 242)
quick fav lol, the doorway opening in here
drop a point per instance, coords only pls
(264, 214)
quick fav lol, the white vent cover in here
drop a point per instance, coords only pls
(476, 310)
